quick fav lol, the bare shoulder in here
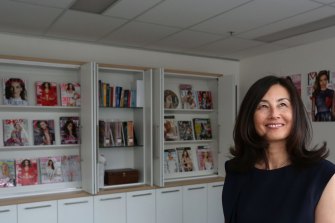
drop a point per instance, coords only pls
(325, 210)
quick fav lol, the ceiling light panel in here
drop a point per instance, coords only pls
(96, 6)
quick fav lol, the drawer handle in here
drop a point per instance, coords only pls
(3, 211)
(170, 191)
(196, 188)
(110, 198)
(141, 195)
(218, 185)
(78, 202)
(36, 207)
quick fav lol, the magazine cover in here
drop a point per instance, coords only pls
(50, 169)
(70, 94)
(69, 130)
(185, 159)
(205, 100)
(321, 94)
(44, 132)
(26, 172)
(188, 97)
(205, 158)
(170, 129)
(71, 168)
(185, 130)
(15, 132)
(171, 164)
(296, 79)
(7, 174)
(170, 99)
(46, 93)
(15, 91)
(202, 128)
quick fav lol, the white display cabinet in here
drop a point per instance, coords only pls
(123, 156)
(33, 70)
(220, 116)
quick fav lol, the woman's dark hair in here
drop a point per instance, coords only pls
(23, 163)
(251, 147)
(9, 88)
(70, 86)
(317, 88)
(74, 128)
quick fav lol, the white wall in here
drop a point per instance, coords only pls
(303, 59)
(69, 50)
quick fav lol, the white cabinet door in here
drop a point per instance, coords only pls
(215, 212)
(39, 212)
(141, 206)
(195, 203)
(8, 214)
(110, 208)
(169, 205)
(75, 210)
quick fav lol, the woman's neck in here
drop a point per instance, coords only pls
(277, 157)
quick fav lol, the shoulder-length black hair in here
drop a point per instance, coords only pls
(250, 147)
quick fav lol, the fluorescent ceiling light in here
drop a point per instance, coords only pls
(298, 30)
(93, 6)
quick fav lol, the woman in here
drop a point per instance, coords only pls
(15, 136)
(15, 92)
(323, 99)
(70, 133)
(274, 177)
(45, 135)
(28, 175)
(186, 161)
(48, 95)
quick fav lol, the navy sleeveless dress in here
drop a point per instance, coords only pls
(284, 195)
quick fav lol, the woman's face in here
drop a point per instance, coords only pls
(323, 82)
(70, 126)
(17, 126)
(43, 125)
(16, 87)
(273, 115)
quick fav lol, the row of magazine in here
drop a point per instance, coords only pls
(190, 99)
(16, 131)
(182, 159)
(42, 170)
(195, 129)
(116, 133)
(46, 92)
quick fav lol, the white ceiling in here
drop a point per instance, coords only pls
(213, 28)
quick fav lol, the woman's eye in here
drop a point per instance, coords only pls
(262, 106)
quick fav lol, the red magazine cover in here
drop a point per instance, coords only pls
(205, 100)
(46, 93)
(70, 94)
(26, 172)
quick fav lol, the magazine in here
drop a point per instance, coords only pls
(26, 172)
(15, 132)
(202, 128)
(69, 130)
(71, 168)
(205, 158)
(50, 169)
(46, 93)
(188, 97)
(70, 94)
(44, 132)
(170, 99)
(15, 91)
(7, 174)
(205, 100)
(170, 129)
(185, 130)
(185, 159)
(171, 164)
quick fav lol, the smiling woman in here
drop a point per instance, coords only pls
(274, 176)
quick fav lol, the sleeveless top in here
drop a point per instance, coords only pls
(284, 195)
